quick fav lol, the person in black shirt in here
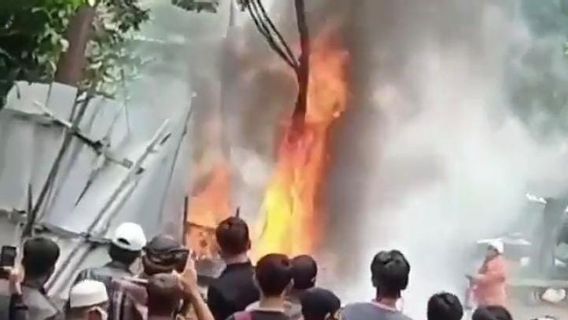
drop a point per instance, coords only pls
(235, 289)
(274, 278)
(444, 306)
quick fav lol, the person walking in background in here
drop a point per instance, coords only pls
(39, 257)
(88, 300)
(444, 306)
(234, 290)
(492, 313)
(489, 284)
(274, 278)
(126, 246)
(319, 304)
(390, 272)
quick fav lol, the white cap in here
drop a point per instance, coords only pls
(87, 293)
(129, 236)
(496, 244)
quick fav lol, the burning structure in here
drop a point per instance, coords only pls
(435, 150)
(291, 208)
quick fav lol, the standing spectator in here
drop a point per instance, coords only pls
(274, 277)
(304, 273)
(489, 284)
(39, 258)
(164, 296)
(88, 300)
(492, 313)
(319, 304)
(234, 290)
(129, 296)
(389, 271)
(444, 306)
(125, 248)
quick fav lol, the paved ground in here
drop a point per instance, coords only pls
(523, 312)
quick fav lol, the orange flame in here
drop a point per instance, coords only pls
(293, 218)
(207, 209)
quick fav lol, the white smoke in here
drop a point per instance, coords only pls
(452, 162)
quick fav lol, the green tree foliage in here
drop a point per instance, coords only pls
(32, 38)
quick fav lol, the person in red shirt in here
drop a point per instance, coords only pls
(489, 284)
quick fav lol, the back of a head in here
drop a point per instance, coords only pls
(390, 271)
(318, 304)
(127, 243)
(87, 293)
(304, 272)
(40, 256)
(273, 274)
(159, 255)
(164, 294)
(492, 313)
(233, 236)
(444, 306)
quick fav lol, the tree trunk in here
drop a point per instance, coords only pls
(72, 62)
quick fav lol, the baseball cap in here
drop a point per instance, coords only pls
(164, 250)
(129, 236)
(162, 244)
(87, 293)
(318, 303)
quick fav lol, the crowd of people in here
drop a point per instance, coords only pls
(278, 287)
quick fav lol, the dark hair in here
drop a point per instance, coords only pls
(304, 272)
(40, 256)
(444, 306)
(164, 294)
(492, 313)
(390, 271)
(233, 236)
(318, 303)
(273, 274)
(124, 256)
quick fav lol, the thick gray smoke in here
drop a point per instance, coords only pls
(435, 156)
(435, 150)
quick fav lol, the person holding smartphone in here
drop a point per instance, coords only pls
(29, 299)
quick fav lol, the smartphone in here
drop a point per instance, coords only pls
(8, 256)
(7, 259)
(181, 260)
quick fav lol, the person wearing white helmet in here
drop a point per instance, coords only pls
(88, 300)
(489, 284)
(126, 246)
